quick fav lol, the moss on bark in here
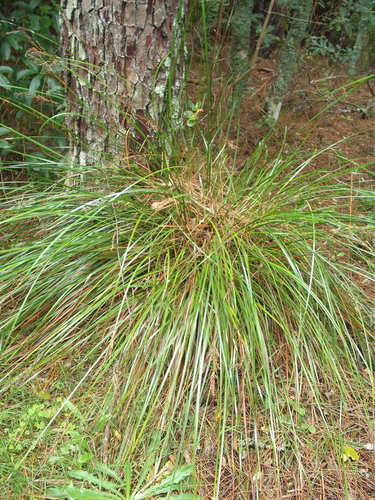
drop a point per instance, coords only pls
(364, 48)
(240, 57)
(289, 57)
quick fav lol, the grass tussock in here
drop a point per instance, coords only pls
(211, 303)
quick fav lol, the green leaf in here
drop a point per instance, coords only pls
(33, 4)
(35, 84)
(109, 472)
(23, 73)
(72, 407)
(309, 428)
(4, 82)
(179, 475)
(4, 130)
(301, 411)
(349, 453)
(168, 484)
(183, 496)
(5, 50)
(53, 84)
(81, 494)
(4, 144)
(16, 40)
(32, 65)
(83, 475)
(23, 5)
(35, 22)
(45, 23)
(6, 69)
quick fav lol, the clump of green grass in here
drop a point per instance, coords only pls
(202, 287)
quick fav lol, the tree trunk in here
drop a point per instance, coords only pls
(123, 59)
(240, 57)
(364, 47)
(289, 56)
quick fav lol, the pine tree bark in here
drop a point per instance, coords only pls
(122, 58)
(289, 57)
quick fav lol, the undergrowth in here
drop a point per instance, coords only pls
(202, 300)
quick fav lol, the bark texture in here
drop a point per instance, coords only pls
(289, 56)
(364, 48)
(240, 57)
(121, 56)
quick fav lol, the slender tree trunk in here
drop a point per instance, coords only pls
(289, 57)
(364, 47)
(240, 58)
(123, 57)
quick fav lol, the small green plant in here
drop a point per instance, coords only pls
(269, 38)
(30, 83)
(74, 451)
(31, 429)
(322, 46)
(33, 419)
(20, 431)
(336, 31)
(106, 484)
(23, 26)
(192, 114)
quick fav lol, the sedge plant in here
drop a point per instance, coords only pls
(210, 301)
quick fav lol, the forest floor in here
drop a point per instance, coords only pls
(310, 119)
(317, 470)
